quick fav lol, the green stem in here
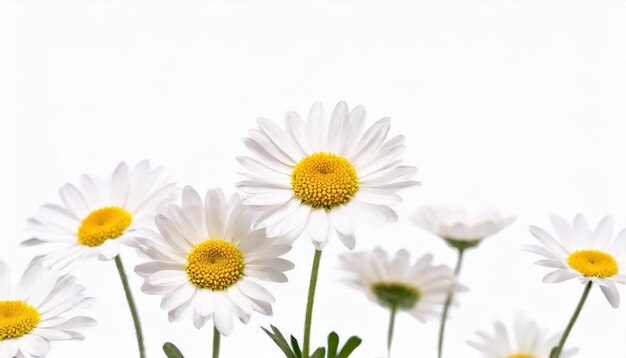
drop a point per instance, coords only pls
(216, 343)
(392, 322)
(556, 351)
(131, 305)
(446, 307)
(309, 303)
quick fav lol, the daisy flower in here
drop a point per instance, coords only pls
(531, 341)
(42, 308)
(591, 256)
(97, 216)
(459, 228)
(316, 176)
(418, 288)
(208, 261)
(461, 231)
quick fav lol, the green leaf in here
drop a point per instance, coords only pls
(349, 347)
(280, 341)
(319, 353)
(296, 347)
(171, 351)
(333, 344)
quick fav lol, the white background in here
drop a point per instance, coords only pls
(513, 105)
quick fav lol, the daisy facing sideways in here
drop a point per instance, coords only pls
(317, 176)
(208, 261)
(591, 256)
(530, 341)
(97, 216)
(42, 308)
(459, 228)
(396, 283)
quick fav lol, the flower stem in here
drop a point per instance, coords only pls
(131, 305)
(446, 307)
(216, 343)
(556, 351)
(392, 322)
(309, 303)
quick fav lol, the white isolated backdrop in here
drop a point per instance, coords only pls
(512, 105)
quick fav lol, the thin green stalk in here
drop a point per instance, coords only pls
(309, 303)
(216, 343)
(392, 322)
(556, 351)
(131, 305)
(446, 307)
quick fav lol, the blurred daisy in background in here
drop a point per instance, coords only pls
(319, 176)
(529, 341)
(98, 216)
(461, 231)
(42, 308)
(591, 256)
(208, 261)
(418, 288)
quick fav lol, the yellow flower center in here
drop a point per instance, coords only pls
(593, 263)
(102, 224)
(17, 318)
(324, 180)
(215, 264)
(521, 355)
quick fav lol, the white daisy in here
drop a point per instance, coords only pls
(459, 228)
(531, 341)
(209, 259)
(318, 174)
(41, 309)
(418, 288)
(590, 256)
(96, 216)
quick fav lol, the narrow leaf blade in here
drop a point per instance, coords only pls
(171, 351)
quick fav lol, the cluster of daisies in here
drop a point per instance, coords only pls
(210, 255)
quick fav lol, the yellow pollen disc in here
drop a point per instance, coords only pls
(17, 318)
(593, 263)
(521, 355)
(215, 264)
(324, 180)
(102, 224)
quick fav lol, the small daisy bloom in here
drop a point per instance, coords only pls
(208, 261)
(41, 309)
(418, 288)
(588, 255)
(97, 216)
(531, 341)
(316, 176)
(459, 228)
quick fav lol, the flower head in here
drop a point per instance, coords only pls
(459, 228)
(530, 341)
(316, 176)
(208, 259)
(41, 309)
(98, 215)
(581, 253)
(419, 288)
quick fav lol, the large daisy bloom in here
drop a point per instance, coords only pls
(316, 176)
(208, 260)
(458, 227)
(530, 341)
(42, 308)
(580, 252)
(96, 216)
(419, 288)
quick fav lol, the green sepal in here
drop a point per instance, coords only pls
(171, 351)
